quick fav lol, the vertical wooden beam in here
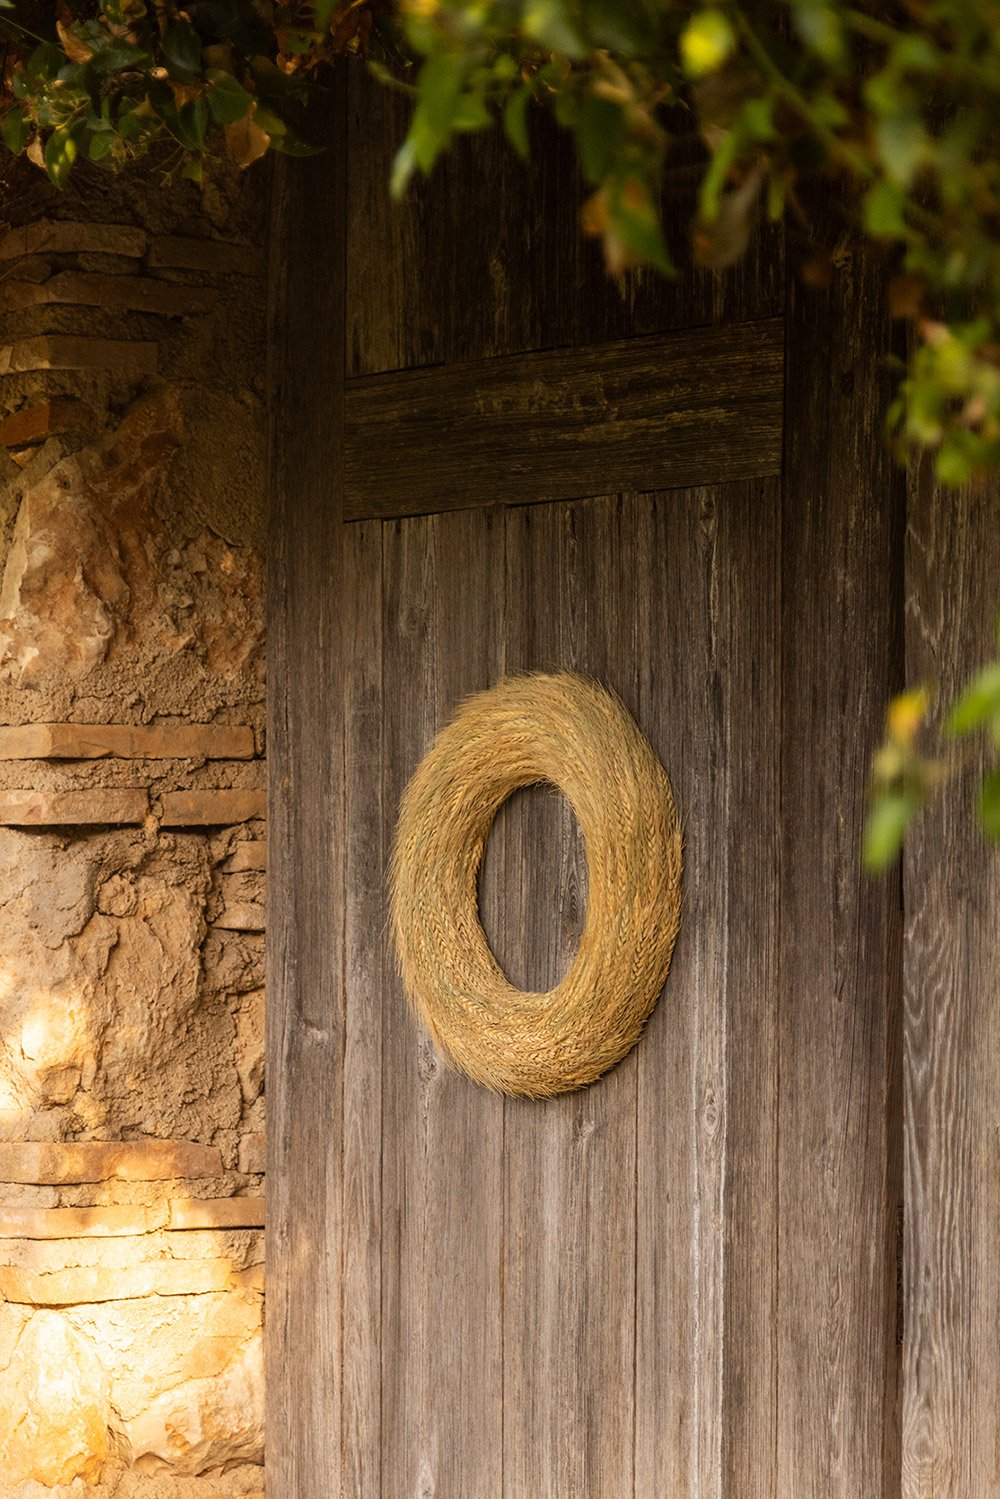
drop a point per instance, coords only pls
(839, 1143)
(365, 961)
(305, 987)
(951, 1427)
(442, 1156)
(707, 1099)
(569, 1317)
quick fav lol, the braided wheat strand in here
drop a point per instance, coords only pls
(567, 730)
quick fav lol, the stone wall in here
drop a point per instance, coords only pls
(131, 836)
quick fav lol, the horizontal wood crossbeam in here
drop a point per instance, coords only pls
(700, 406)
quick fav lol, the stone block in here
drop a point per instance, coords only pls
(113, 293)
(84, 1284)
(46, 419)
(238, 1248)
(94, 1161)
(183, 253)
(250, 854)
(192, 809)
(68, 351)
(243, 916)
(205, 1425)
(253, 1154)
(71, 1223)
(84, 741)
(54, 1406)
(64, 237)
(99, 807)
(217, 1212)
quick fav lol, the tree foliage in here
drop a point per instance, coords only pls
(897, 104)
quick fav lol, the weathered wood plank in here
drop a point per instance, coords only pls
(671, 410)
(365, 956)
(569, 1315)
(707, 1078)
(951, 1426)
(442, 1197)
(454, 272)
(304, 1014)
(839, 949)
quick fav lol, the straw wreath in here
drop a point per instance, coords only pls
(571, 732)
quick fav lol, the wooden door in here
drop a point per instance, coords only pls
(683, 1281)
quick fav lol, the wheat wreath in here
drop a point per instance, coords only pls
(571, 732)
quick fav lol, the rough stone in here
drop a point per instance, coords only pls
(68, 351)
(244, 916)
(69, 1223)
(63, 236)
(250, 854)
(186, 809)
(72, 808)
(82, 741)
(54, 1406)
(33, 423)
(75, 571)
(253, 1153)
(238, 1248)
(92, 1161)
(218, 1212)
(205, 1423)
(98, 1283)
(113, 293)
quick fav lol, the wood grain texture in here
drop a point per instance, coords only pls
(443, 1138)
(839, 1129)
(305, 995)
(569, 1305)
(668, 411)
(459, 271)
(951, 1429)
(706, 1365)
(364, 980)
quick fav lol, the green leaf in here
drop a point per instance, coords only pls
(886, 828)
(978, 703)
(16, 130)
(989, 805)
(820, 28)
(706, 42)
(902, 145)
(883, 206)
(192, 119)
(60, 154)
(227, 98)
(323, 10)
(403, 168)
(635, 221)
(181, 47)
(548, 23)
(100, 145)
(598, 130)
(515, 120)
(45, 61)
(471, 113)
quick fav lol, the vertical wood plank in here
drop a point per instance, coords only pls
(443, 1137)
(840, 1143)
(305, 1022)
(707, 1085)
(365, 957)
(569, 1317)
(951, 1429)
